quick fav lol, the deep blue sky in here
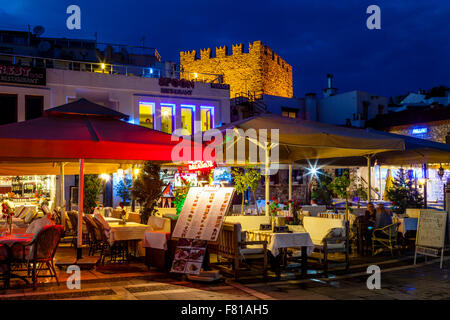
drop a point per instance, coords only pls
(411, 51)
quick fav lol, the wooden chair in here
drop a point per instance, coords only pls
(115, 250)
(385, 238)
(38, 255)
(4, 265)
(134, 217)
(231, 246)
(328, 236)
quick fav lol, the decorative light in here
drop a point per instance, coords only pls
(195, 75)
(103, 66)
(136, 171)
(120, 172)
(105, 176)
(441, 172)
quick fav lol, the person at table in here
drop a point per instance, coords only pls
(383, 218)
(313, 203)
(370, 215)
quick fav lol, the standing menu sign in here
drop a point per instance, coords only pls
(203, 213)
(200, 220)
(430, 237)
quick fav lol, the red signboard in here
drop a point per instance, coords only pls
(200, 165)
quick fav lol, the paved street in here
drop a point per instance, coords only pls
(402, 281)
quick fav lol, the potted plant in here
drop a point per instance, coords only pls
(91, 191)
(148, 188)
(341, 187)
(404, 194)
(180, 193)
(123, 190)
(240, 184)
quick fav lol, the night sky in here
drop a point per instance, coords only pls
(410, 52)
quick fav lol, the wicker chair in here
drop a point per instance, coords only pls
(385, 238)
(38, 255)
(116, 250)
(4, 265)
(95, 236)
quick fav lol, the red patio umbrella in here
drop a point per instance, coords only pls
(84, 130)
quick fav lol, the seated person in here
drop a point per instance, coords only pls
(383, 218)
(370, 215)
(313, 203)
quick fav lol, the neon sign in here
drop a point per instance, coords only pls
(200, 165)
(419, 130)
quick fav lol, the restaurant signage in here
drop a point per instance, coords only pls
(203, 212)
(22, 74)
(200, 165)
(176, 86)
(222, 86)
(431, 230)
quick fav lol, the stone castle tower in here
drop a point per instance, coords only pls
(260, 70)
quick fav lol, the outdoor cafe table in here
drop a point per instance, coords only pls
(8, 241)
(156, 246)
(406, 224)
(111, 219)
(130, 232)
(279, 242)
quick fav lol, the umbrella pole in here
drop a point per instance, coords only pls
(267, 180)
(62, 200)
(369, 180)
(290, 188)
(80, 211)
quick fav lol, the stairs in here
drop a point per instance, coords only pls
(247, 104)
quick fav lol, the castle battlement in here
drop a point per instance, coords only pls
(258, 69)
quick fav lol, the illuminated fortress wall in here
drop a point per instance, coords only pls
(259, 70)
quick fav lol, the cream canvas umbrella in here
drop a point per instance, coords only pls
(296, 139)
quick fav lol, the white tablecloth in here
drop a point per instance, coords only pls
(277, 241)
(155, 240)
(111, 219)
(130, 231)
(406, 224)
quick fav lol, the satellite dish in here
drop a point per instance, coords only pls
(38, 30)
(44, 46)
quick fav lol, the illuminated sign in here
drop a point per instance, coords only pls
(182, 86)
(200, 165)
(419, 130)
(22, 74)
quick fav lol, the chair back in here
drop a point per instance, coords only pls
(93, 230)
(134, 217)
(46, 242)
(116, 213)
(318, 228)
(227, 244)
(73, 216)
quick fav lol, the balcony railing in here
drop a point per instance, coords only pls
(115, 69)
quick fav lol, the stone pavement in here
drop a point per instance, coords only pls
(400, 279)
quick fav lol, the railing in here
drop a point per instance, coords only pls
(254, 98)
(115, 69)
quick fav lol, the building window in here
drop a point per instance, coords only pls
(167, 113)
(34, 107)
(289, 112)
(147, 114)
(207, 117)
(186, 118)
(8, 103)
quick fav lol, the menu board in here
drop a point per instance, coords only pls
(189, 256)
(431, 228)
(203, 213)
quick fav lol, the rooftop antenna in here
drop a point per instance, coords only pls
(38, 30)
